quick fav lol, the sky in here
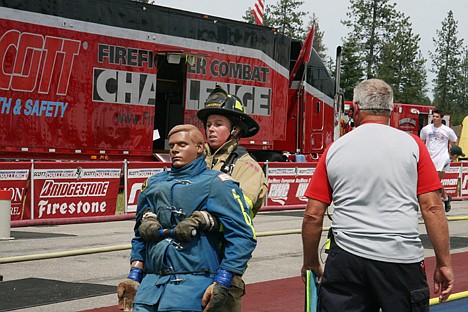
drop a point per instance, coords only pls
(426, 17)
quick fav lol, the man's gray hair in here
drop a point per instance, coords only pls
(374, 96)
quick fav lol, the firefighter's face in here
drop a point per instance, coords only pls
(218, 129)
(182, 149)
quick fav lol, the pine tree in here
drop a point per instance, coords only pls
(352, 67)
(318, 38)
(284, 16)
(371, 22)
(463, 99)
(287, 19)
(446, 63)
(402, 65)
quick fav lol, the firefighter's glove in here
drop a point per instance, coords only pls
(198, 221)
(214, 298)
(216, 294)
(127, 289)
(149, 227)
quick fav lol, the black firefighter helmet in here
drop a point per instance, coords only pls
(219, 102)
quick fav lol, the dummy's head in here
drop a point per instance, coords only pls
(185, 144)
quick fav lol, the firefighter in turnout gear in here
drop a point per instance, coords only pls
(225, 123)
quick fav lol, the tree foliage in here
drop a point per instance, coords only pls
(463, 99)
(446, 63)
(401, 65)
(371, 22)
(317, 44)
(382, 44)
(284, 16)
(352, 67)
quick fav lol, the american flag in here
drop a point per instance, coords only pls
(258, 11)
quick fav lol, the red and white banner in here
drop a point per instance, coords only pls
(464, 181)
(257, 11)
(451, 180)
(14, 176)
(137, 173)
(75, 189)
(288, 183)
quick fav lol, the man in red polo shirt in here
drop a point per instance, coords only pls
(376, 258)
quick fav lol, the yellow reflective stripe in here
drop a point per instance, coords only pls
(247, 218)
(250, 203)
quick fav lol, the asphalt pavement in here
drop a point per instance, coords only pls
(88, 260)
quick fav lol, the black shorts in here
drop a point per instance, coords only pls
(352, 283)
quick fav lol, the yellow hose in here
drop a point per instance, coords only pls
(452, 297)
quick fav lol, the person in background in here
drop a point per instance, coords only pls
(439, 138)
(455, 152)
(376, 258)
(175, 261)
(225, 123)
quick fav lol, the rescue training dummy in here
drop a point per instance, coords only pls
(175, 261)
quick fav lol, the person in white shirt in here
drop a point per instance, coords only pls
(439, 138)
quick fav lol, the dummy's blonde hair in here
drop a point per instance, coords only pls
(195, 134)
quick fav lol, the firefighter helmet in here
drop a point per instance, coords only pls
(219, 102)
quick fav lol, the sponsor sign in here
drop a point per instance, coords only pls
(83, 189)
(451, 180)
(464, 180)
(288, 183)
(14, 176)
(51, 76)
(137, 173)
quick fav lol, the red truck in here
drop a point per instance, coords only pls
(407, 117)
(107, 79)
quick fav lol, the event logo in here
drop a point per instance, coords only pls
(407, 123)
(36, 62)
(279, 192)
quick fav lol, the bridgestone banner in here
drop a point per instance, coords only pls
(79, 189)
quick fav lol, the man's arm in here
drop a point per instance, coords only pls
(311, 233)
(437, 230)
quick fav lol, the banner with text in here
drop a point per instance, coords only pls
(75, 189)
(14, 176)
(451, 180)
(288, 182)
(137, 173)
